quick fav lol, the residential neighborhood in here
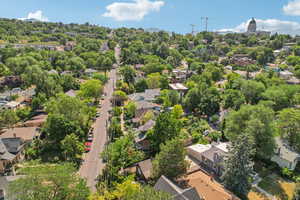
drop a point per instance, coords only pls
(89, 112)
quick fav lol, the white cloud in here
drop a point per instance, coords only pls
(273, 25)
(292, 8)
(37, 15)
(132, 11)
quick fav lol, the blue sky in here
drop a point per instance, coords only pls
(172, 15)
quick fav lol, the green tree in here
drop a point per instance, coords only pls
(8, 118)
(72, 148)
(141, 85)
(252, 90)
(115, 129)
(71, 108)
(128, 74)
(120, 154)
(172, 154)
(203, 99)
(130, 109)
(91, 89)
(289, 126)
(257, 121)
(166, 128)
(119, 97)
(177, 111)
(239, 166)
(233, 99)
(49, 182)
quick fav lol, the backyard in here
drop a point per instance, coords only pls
(278, 187)
(254, 194)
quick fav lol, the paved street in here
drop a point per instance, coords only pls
(93, 165)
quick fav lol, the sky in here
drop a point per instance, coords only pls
(282, 16)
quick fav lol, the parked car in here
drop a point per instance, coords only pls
(98, 114)
(89, 138)
(88, 146)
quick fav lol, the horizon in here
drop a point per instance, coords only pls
(172, 16)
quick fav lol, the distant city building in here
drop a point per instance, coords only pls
(252, 29)
(252, 26)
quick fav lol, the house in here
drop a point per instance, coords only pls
(11, 151)
(179, 75)
(27, 134)
(12, 105)
(36, 121)
(277, 52)
(90, 71)
(142, 107)
(52, 71)
(178, 87)
(165, 185)
(141, 141)
(147, 126)
(210, 156)
(70, 45)
(242, 60)
(142, 170)
(71, 93)
(148, 95)
(10, 81)
(207, 187)
(285, 74)
(284, 155)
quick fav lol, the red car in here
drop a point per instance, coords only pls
(88, 146)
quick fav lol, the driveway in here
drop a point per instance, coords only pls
(93, 164)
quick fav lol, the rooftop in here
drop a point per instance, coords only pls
(286, 152)
(148, 95)
(164, 184)
(146, 167)
(208, 188)
(71, 93)
(148, 125)
(178, 86)
(25, 133)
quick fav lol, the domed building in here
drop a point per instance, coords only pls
(252, 26)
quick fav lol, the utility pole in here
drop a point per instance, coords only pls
(193, 28)
(206, 22)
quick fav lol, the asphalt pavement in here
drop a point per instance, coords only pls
(93, 164)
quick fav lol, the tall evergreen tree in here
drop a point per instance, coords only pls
(172, 154)
(239, 166)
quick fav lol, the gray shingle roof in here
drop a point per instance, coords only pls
(148, 95)
(165, 185)
(285, 151)
(146, 126)
(146, 167)
(4, 154)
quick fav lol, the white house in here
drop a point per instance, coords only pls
(285, 74)
(284, 155)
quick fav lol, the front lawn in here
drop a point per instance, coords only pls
(278, 187)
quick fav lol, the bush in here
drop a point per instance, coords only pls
(285, 172)
(117, 111)
(102, 77)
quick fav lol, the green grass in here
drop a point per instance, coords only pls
(278, 187)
